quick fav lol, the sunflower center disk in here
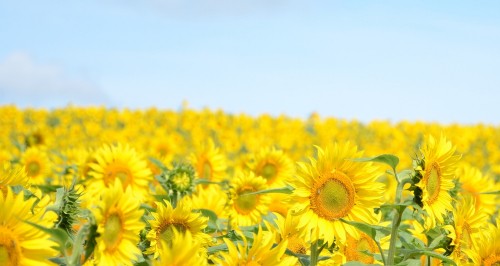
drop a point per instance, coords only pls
(206, 171)
(246, 203)
(33, 168)
(334, 197)
(167, 232)
(269, 171)
(112, 231)
(118, 171)
(10, 251)
(433, 182)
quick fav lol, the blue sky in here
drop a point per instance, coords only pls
(414, 60)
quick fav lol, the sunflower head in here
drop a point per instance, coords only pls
(118, 218)
(273, 165)
(36, 164)
(183, 249)
(245, 209)
(12, 175)
(168, 219)
(433, 178)
(209, 162)
(332, 187)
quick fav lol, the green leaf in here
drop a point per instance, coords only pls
(400, 207)
(436, 242)
(215, 249)
(491, 192)
(60, 236)
(412, 262)
(388, 159)
(203, 181)
(284, 190)
(212, 218)
(369, 229)
(356, 263)
(433, 254)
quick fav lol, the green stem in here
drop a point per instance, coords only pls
(396, 221)
(314, 253)
(381, 252)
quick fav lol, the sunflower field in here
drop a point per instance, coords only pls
(97, 186)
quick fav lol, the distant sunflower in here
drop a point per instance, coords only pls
(118, 217)
(245, 210)
(36, 164)
(182, 250)
(12, 175)
(467, 224)
(211, 198)
(21, 243)
(209, 162)
(273, 165)
(182, 218)
(437, 169)
(123, 163)
(487, 251)
(474, 183)
(261, 252)
(334, 187)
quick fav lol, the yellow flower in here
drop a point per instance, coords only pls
(209, 163)
(211, 198)
(273, 165)
(473, 183)
(182, 218)
(467, 224)
(183, 249)
(21, 243)
(118, 217)
(245, 210)
(123, 163)
(12, 175)
(334, 187)
(36, 164)
(438, 172)
(261, 252)
(487, 251)
(288, 230)
(355, 247)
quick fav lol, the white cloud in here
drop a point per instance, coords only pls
(24, 81)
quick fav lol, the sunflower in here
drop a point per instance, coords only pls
(297, 238)
(467, 223)
(245, 210)
(261, 252)
(36, 164)
(211, 198)
(437, 169)
(209, 163)
(355, 248)
(123, 163)
(182, 218)
(487, 251)
(20, 243)
(334, 187)
(118, 218)
(273, 165)
(474, 183)
(183, 250)
(12, 176)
